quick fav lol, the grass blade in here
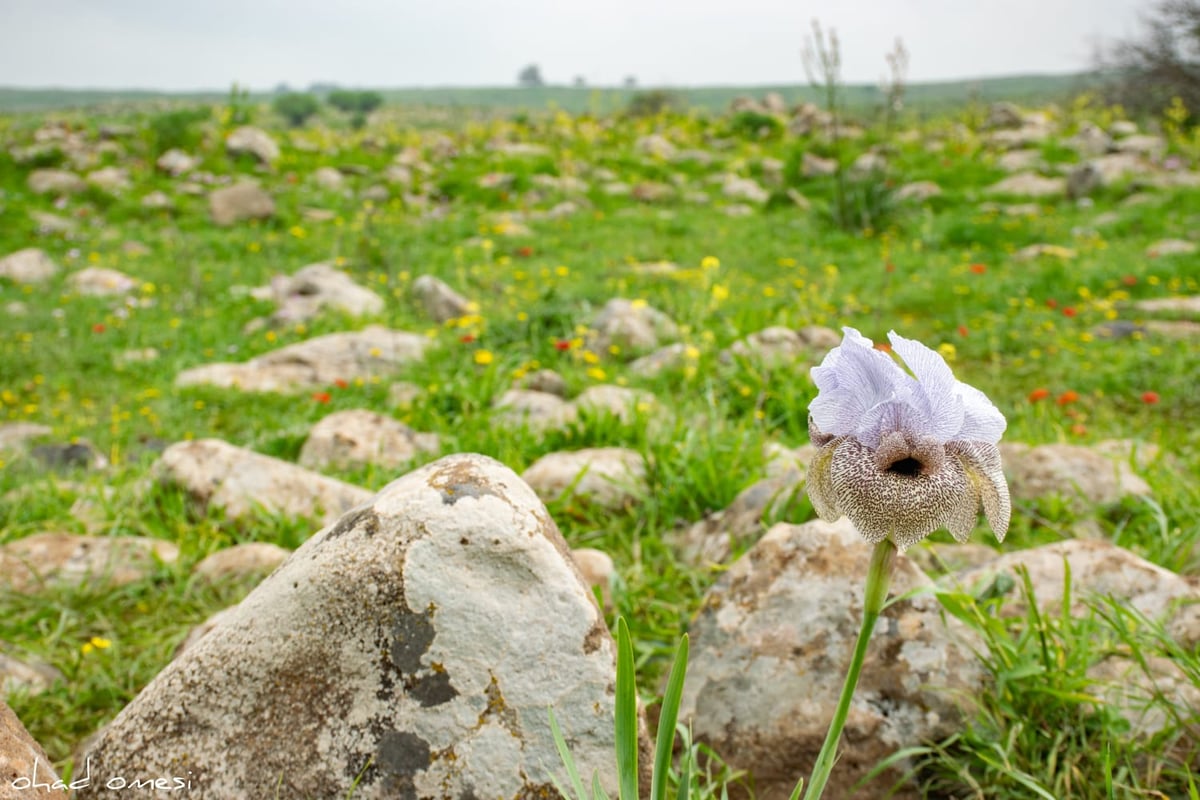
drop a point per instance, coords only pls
(564, 752)
(626, 716)
(667, 717)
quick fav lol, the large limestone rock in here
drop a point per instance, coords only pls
(609, 477)
(771, 645)
(249, 140)
(314, 288)
(23, 762)
(30, 265)
(778, 346)
(216, 473)
(413, 647)
(357, 437)
(66, 559)
(314, 363)
(176, 162)
(242, 201)
(17, 436)
(1076, 473)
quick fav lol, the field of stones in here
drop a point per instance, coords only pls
(329, 457)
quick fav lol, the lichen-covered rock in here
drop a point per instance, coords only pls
(1098, 568)
(712, 539)
(537, 410)
(440, 302)
(1077, 473)
(30, 265)
(771, 645)
(610, 477)
(67, 559)
(23, 762)
(240, 481)
(241, 561)
(410, 650)
(315, 363)
(357, 437)
(242, 201)
(620, 401)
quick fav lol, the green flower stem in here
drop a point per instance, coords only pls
(878, 577)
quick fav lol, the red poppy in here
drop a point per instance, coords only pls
(525, 252)
(962, 331)
(979, 269)
(889, 267)
(1069, 311)
(1129, 280)
(562, 344)
(98, 327)
(467, 338)
(1051, 303)
(322, 397)
(1079, 429)
(1069, 396)
(1149, 398)
(341, 383)
(1038, 394)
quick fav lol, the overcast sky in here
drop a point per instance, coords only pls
(193, 44)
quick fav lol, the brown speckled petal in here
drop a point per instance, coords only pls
(981, 462)
(905, 507)
(819, 484)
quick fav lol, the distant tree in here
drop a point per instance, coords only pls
(355, 102)
(1146, 73)
(281, 88)
(630, 82)
(530, 77)
(579, 82)
(296, 108)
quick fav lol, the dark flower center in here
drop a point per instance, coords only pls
(909, 467)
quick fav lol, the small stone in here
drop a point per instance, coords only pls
(158, 201)
(1027, 184)
(242, 482)
(16, 436)
(240, 202)
(249, 140)
(55, 181)
(1170, 247)
(596, 567)
(101, 282)
(30, 265)
(813, 166)
(404, 394)
(630, 325)
(241, 561)
(609, 477)
(546, 380)
(329, 178)
(64, 559)
(919, 192)
(316, 288)
(176, 162)
(113, 180)
(315, 363)
(441, 303)
(358, 437)
(537, 410)
(30, 676)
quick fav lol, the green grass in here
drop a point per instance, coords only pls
(943, 274)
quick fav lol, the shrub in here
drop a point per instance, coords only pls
(296, 108)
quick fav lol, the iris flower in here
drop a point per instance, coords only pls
(902, 455)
